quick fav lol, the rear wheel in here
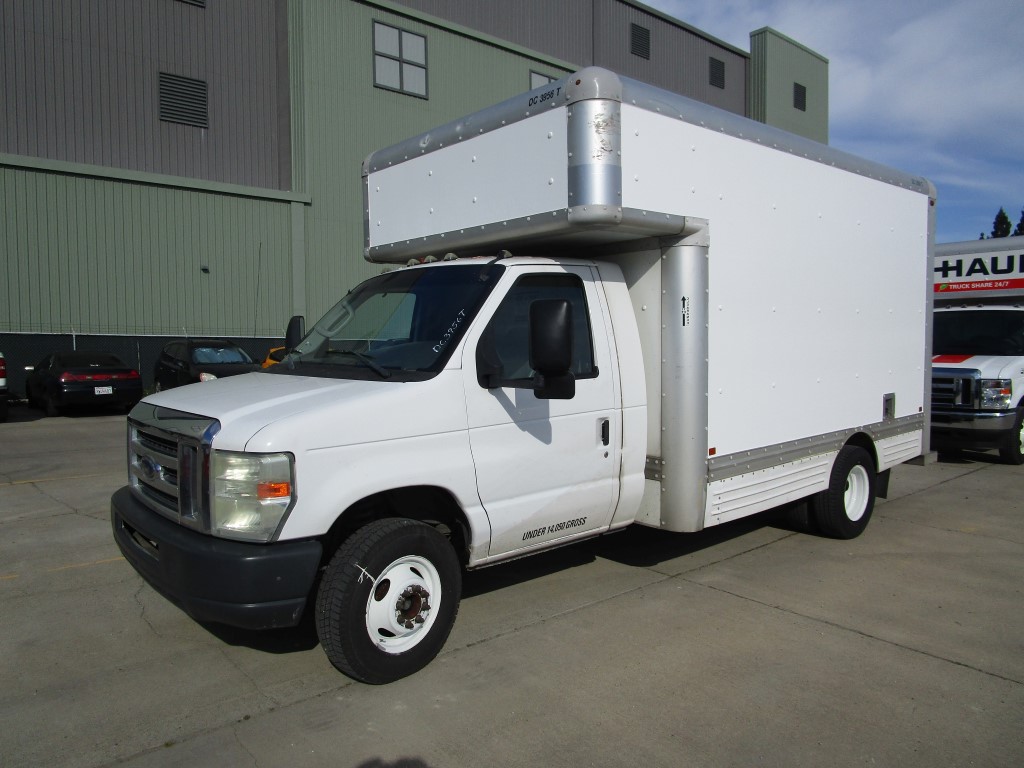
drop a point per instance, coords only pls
(388, 600)
(1012, 451)
(843, 510)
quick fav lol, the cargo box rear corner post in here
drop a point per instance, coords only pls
(978, 346)
(607, 305)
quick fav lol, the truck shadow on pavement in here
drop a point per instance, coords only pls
(636, 546)
(969, 457)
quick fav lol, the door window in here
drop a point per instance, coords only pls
(503, 355)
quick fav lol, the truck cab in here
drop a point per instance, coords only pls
(978, 347)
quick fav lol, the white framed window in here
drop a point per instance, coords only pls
(399, 60)
(538, 79)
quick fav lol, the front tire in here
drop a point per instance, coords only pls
(843, 510)
(1012, 451)
(388, 600)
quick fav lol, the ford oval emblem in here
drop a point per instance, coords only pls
(149, 468)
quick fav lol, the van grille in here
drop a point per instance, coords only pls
(953, 388)
(168, 463)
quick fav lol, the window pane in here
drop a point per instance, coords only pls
(414, 48)
(385, 40)
(537, 80)
(386, 73)
(414, 79)
(505, 348)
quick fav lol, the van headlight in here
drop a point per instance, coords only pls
(996, 394)
(252, 493)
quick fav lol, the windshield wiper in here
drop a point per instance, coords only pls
(368, 361)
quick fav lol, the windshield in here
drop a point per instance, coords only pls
(402, 325)
(211, 355)
(979, 332)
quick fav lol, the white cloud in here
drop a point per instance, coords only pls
(933, 88)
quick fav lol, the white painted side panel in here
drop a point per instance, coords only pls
(896, 450)
(805, 260)
(754, 492)
(518, 171)
(543, 472)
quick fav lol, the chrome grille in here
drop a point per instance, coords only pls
(168, 462)
(954, 388)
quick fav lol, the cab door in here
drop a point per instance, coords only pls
(546, 469)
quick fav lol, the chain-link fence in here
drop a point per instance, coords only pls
(140, 352)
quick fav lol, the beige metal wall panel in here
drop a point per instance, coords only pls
(81, 84)
(778, 63)
(99, 256)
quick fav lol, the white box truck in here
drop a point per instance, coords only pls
(607, 304)
(978, 347)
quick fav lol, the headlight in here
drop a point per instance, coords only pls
(996, 394)
(204, 376)
(252, 492)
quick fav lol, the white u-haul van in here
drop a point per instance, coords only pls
(978, 347)
(609, 305)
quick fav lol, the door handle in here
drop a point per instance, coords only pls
(606, 431)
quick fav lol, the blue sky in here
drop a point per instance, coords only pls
(932, 88)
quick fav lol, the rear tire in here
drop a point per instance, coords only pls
(844, 509)
(1012, 451)
(388, 600)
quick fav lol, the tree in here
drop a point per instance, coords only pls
(1001, 225)
(1020, 225)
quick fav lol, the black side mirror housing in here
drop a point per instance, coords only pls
(551, 335)
(295, 333)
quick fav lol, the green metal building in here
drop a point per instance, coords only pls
(176, 168)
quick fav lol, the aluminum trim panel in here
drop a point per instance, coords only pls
(724, 467)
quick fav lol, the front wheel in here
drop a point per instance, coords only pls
(1012, 451)
(388, 600)
(843, 510)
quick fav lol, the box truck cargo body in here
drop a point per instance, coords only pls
(603, 304)
(978, 347)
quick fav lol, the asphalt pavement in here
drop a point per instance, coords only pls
(749, 644)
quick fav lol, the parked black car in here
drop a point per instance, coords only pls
(85, 378)
(192, 360)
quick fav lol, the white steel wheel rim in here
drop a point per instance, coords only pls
(855, 497)
(403, 604)
(1020, 438)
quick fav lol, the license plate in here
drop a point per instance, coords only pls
(103, 390)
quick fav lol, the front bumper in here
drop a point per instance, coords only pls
(971, 429)
(253, 586)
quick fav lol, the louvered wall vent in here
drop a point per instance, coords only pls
(640, 41)
(800, 97)
(717, 72)
(184, 100)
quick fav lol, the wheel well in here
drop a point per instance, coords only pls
(428, 504)
(862, 440)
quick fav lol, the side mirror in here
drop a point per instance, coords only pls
(295, 333)
(551, 349)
